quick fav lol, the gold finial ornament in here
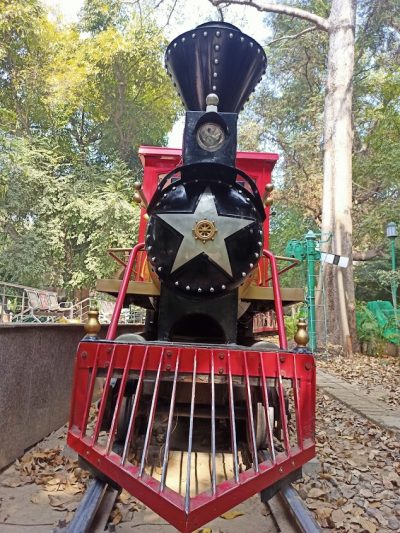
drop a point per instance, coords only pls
(267, 200)
(301, 336)
(92, 325)
(139, 196)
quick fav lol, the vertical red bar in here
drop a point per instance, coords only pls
(132, 419)
(297, 406)
(278, 300)
(169, 426)
(250, 415)
(266, 408)
(106, 392)
(81, 378)
(151, 415)
(233, 421)
(282, 406)
(121, 392)
(307, 400)
(90, 393)
(112, 328)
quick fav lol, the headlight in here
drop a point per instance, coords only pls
(210, 137)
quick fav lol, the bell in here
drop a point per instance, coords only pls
(301, 336)
(92, 325)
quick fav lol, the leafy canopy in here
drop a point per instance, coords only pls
(76, 101)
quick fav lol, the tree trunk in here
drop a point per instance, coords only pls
(338, 143)
(337, 190)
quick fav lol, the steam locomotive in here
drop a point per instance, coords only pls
(195, 414)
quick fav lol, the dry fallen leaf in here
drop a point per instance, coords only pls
(14, 482)
(316, 493)
(323, 513)
(116, 516)
(368, 525)
(337, 518)
(230, 515)
(64, 502)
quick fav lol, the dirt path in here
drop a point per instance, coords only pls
(379, 376)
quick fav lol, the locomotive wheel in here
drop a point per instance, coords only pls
(130, 338)
(110, 404)
(261, 426)
(123, 417)
(266, 346)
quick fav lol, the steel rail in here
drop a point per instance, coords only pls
(303, 517)
(290, 513)
(93, 511)
(87, 508)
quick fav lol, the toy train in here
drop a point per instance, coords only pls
(196, 414)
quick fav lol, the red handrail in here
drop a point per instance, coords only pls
(277, 299)
(112, 328)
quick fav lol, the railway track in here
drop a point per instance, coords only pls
(93, 511)
(287, 510)
(290, 514)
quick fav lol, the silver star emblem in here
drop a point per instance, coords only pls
(216, 248)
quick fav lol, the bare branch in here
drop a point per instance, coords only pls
(285, 37)
(370, 193)
(368, 254)
(320, 22)
(171, 12)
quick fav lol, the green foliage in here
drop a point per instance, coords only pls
(369, 332)
(73, 110)
(57, 228)
(373, 280)
(291, 321)
(98, 15)
(368, 327)
(288, 223)
(24, 59)
(286, 115)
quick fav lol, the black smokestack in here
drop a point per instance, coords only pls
(215, 57)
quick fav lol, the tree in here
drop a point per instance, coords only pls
(24, 58)
(57, 228)
(73, 109)
(339, 24)
(109, 89)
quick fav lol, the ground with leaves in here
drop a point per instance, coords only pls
(44, 487)
(356, 486)
(379, 376)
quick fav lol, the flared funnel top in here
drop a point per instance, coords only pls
(215, 57)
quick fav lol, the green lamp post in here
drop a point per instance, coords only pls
(391, 234)
(311, 255)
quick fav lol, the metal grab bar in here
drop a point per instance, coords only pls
(277, 299)
(112, 329)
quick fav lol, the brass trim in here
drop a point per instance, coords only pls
(142, 288)
(252, 292)
(249, 293)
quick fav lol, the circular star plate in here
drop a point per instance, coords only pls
(226, 255)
